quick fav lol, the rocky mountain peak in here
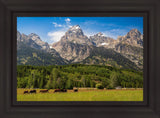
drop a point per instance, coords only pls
(134, 30)
(75, 30)
(24, 35)
(134, 33)
(100, 34)
(100, 39)
(75, 27)
(33, 40)
(133, 37)
(34, 37)
(75, 35)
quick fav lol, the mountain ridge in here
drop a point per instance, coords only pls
(126, 45)
(76, 47)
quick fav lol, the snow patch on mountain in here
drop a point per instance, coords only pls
(104, 43)
(100, 34)
(76, 27)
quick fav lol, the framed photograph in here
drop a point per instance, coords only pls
(83, 59)
(79, 59)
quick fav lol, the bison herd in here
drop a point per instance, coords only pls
(46, 91)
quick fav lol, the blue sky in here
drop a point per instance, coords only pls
(51, 29)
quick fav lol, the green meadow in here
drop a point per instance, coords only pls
(83, 95)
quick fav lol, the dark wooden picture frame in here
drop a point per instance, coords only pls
(10, 9)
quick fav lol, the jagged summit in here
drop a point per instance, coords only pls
(133, 33)
(100, 34)
(75, 27)
(33, 34)
(133, 37)
(100, 39)
(34, 37)
(134, 30)
(32, 40)
(75, 35)
(75, 30)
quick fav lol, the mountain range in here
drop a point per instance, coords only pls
(75, 47)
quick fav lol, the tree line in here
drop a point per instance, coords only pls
(77, 75)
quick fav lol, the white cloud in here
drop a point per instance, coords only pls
(67, 20)
(57, 25)
(56, 35)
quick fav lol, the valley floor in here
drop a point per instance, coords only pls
(83, 95)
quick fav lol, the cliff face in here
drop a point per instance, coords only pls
(74, 45)
(72, 52)
(131, 46)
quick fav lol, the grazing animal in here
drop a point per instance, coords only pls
(60, 90)
(57, 90)
(64, 90)
(43, 91)
(32, 91)
(75, 90)
(25, 92)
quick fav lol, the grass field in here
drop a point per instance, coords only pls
(83, 95)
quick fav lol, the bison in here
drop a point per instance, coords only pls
(32, 91)
(75, 90)
(57, 90)
(43, 91)
(25, 92)
(64, 90)
(60, 90)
